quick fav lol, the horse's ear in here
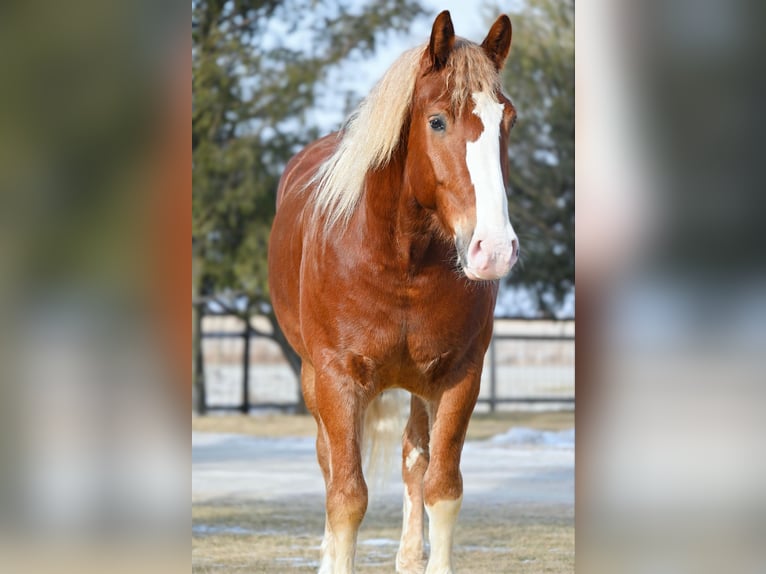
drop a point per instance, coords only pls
(442, 40)
(497, 44)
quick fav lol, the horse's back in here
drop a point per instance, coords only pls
(302, 167)
(288, 234)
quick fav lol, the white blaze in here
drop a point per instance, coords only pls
(483, 160)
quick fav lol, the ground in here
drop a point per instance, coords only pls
(257, 497)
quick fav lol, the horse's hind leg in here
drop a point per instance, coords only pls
(341, 413)
(328, 543)
(309, 395)
(410, 559)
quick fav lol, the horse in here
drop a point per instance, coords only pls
(385, 253)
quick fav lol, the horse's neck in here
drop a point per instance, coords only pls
(393, 216)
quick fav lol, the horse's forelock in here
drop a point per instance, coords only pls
(469, 70)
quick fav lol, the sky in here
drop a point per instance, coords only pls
(467, 19)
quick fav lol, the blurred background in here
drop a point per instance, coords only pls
(94, 220)
(670, 276)
(94, 252)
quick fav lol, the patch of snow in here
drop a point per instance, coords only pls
(528, 436)
(379, 542)
(209, 529)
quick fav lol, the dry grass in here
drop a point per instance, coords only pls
(482, 426)
(271, 425)
(279, 537)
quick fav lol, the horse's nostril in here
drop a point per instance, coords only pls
(514, 249)
(474, 248)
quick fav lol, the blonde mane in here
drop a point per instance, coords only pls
(372, 133)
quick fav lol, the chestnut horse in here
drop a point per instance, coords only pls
(384, 256)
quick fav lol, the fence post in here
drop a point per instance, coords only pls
(492, 375)
(198, 385)
(245, 408)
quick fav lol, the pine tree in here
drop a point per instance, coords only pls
(539, 78)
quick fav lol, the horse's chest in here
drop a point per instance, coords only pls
(436, 332)
(432, 331)
(398, 326)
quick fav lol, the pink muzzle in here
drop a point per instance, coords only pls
(490, 257)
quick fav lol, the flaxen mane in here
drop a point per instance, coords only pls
(371, 134)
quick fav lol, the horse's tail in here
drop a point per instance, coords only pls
(383, 426)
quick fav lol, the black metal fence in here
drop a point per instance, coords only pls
(534, 365)
(529, 362)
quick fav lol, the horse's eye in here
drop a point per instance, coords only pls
(437, 124)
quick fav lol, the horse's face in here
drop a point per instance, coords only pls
(462, 167)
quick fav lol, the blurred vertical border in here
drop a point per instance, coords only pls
(671, 287)
(95, 262)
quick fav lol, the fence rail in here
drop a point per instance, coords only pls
(529, 362)
(565, 394)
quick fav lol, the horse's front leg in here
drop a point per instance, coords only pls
(340, 408)
(443, 482)
(410, 559)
